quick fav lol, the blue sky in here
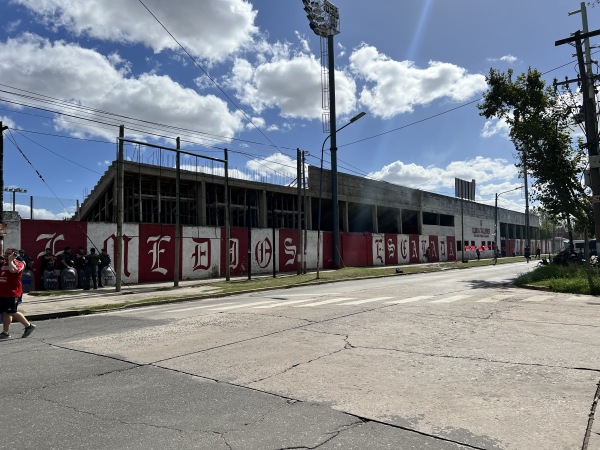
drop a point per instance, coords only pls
(416, 67)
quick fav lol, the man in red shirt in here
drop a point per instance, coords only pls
(10, 291)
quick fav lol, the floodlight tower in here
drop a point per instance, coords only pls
(324, 20)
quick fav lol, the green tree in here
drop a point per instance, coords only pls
(539, 127)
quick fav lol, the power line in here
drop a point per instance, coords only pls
(207, 74)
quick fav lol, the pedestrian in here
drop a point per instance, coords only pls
(478, 253)
(427, 254)
(26, 259)
(48, 264)
(538, 253)
(66, 259)
(10, 291)
(105, 261)
(527, 254)
(93, 259)
(81, 267)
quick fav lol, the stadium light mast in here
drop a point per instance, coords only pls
(324, 20)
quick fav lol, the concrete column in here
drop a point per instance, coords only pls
(374, 219)
(309, 220)
(140, 209)
(262, 209)
(202, 213)
(159, 205)
(399, 221)
(345, 222)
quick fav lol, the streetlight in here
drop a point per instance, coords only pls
(496, 214)
(14, 190)
(324, 20)
(354, 119)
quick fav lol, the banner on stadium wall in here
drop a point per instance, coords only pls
(356, 249)
(238, 251)
(403, 249)
(451, 246)
(157, 252)
(442, 248)
(327, 250)
(413, 240)
(262, 250)
(434, 249)
(104, 235)
(378, 249)
(37, 235)
(391, 249)
(311, 250)
(288, 250)
(200, 252)
(423, 245)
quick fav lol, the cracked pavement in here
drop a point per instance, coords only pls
(515, 373)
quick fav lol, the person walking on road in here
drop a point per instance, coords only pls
(10, 291)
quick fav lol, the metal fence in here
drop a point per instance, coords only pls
(36, 207)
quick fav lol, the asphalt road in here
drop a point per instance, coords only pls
(449, 360)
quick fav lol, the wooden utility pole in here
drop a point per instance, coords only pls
(2, 128)
(299, 210)
(591, 126)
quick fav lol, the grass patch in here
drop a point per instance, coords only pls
(570, 279)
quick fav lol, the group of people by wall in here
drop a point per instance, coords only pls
(86, 267)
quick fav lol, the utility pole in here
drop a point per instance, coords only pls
(299, 210)
(589, 109)
(120, 209)
(305, 207)
(2, 128)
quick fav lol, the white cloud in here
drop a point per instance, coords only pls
(485, 171)
(506, 58)
(213, 29)
(495, 127)
(68, 71)
(277, 163)
(396, 87)
(7, 122)
(291, 84)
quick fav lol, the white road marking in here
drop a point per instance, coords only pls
(132, 310)
(494, 298)
(454, 298)
(369, 300)
(242, 305)
(410, 299)
(191, 308)
(537, 298)
(325, 302)
(577, 298)
(290, 302)
(302, 295)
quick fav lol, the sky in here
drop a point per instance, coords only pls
(246, 76)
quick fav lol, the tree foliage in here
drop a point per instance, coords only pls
(539, 127)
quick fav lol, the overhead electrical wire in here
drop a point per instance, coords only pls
(208, 75)
(216, 138)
